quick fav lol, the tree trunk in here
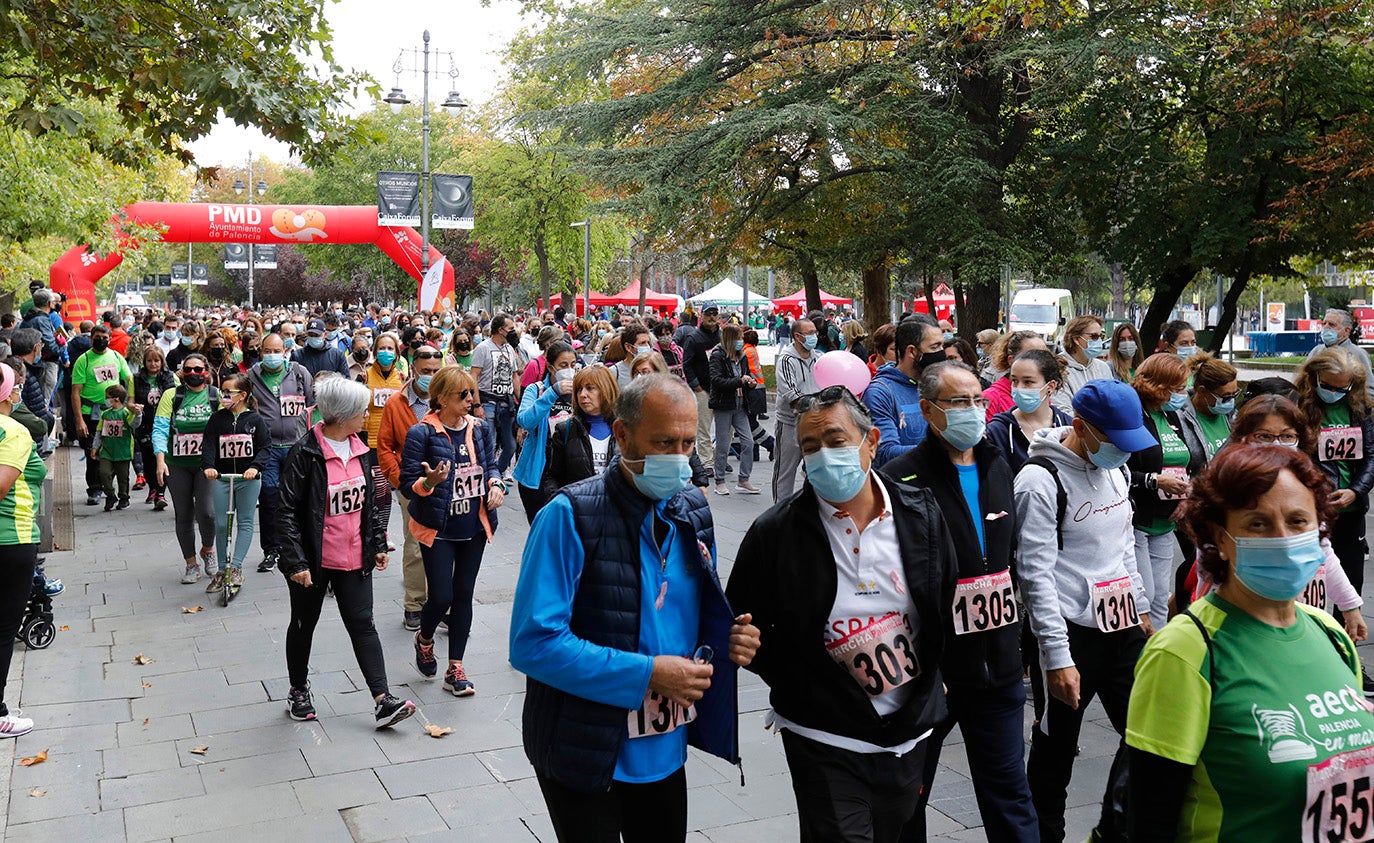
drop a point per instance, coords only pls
(811, 282)
(930, 291)
(1227, 317)
(1118, 281)
(644, 284)
(1165, 295)
(978, 305)
(877, 288)
(541, 253)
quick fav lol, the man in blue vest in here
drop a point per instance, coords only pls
(623, 629)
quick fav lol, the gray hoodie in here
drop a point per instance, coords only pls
(1099, 544)
(1075, 375)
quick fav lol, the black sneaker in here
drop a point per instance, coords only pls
(109, 504)
(456, 681)
(411, 621)
(123, 504)
(390, 711)
(92, 500)
(268, 563)
(424, 658)
(1368, 682)
(298, 703)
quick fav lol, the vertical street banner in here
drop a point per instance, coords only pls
(452, 201)
(181, 273)
(200, 274)
(398, 198)
(265, 256)
(235, 255)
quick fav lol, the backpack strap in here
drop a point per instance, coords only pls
(1061, 499)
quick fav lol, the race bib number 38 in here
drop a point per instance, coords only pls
(1339, 803)
(1113, 605)
(659, 716)
(1340, 443)
(983, 603)
(880, 656)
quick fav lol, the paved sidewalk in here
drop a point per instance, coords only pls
(120, 735)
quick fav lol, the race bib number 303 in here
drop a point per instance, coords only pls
(983, 603)
(1339, 802)
(659, 716)
(880, 656)
(1113, 605)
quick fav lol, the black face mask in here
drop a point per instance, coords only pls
(193, 380)
(414, 344)
(253, 354)
(463, 347)
(360, 356)
(216, 354)
(100, 343)
(930, 358)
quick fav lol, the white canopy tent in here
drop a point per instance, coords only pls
(728, 292)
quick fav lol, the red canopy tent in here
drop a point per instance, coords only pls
(630, 297)
(580, 302)
(796, 303)
(944, 303)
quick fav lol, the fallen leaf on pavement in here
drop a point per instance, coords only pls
(142, 659)
(145, 720)
(436, 731)
(199, 750)
(37, 792)
(37, 759)
(191, 610)
(147, 684)
(65, 628)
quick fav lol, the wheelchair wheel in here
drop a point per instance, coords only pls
(39, 634)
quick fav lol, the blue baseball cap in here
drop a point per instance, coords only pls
(1114, 408)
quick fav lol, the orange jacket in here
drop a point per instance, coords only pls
(751, 354)
(397, 420)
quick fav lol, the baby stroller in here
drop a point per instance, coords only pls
(37, 630)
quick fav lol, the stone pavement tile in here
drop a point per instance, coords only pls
(318, 827)
(529, 794)
(938, 823)
(752, 831)
(185, 682)
(957, 801)
(1089, 780)
(277, 736)
(330, 758)
(271, 714)
(400, 747)
(507, 765)
(542, 827)
(761, 797)
(112, 609)
(514, 830)
(246, 773)
(477, 805)
(156, 730)
(714, 810)
(393, 820)
(71, 739)
(65, 796)
(128, 761)
(196, 701)
(84, 685)
(450, 772)
(167, 657)
(62, 765)
(87, 713)
(339, 791)
(143, 788)
(105, 827)
(211, 813)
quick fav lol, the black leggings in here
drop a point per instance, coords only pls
(655, 812)
(353, 593)
(17, 562)
(150, 463)
(451, 575)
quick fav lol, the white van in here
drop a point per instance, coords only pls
(1044, 310)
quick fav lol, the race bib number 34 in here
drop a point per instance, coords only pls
(983, 603)
(1340, 443)
(1113, 605)
(1339, 799)
(659, 716)
(880, 656)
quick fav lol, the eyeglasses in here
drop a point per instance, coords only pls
(1270, 439)
(466, 394)
(964, 403)
(829, 397)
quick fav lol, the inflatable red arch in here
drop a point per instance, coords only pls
(77, 271)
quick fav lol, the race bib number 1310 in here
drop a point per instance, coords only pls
(1113, 605)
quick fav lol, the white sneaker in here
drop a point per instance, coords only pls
(12, 725)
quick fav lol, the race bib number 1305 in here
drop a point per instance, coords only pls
(983, 603)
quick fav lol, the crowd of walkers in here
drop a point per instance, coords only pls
(994, 520)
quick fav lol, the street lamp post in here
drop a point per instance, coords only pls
(454, 105)
(239, 187)
(586, 226)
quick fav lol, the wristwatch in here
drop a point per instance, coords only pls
(1152, 481)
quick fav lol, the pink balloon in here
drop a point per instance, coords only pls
(843, 369)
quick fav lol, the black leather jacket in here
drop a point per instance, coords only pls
(304, 489)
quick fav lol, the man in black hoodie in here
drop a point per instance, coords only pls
(867, 562)
(696, 360)
(972, 484)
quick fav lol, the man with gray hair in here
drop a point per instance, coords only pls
(794, 368)
(40, 319)
(1336, 330)
(618, 614)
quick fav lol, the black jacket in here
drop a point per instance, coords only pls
(990, 659)
(726, 380)
(696, 352)
(147, 392)
(570, 455)
(1007, 436)
(1362, 470)
(1148, 506)
(304, 488)
(223, 423)
(785, 576)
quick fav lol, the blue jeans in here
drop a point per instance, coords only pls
(270, 500)
(990, 720)
(245, 507)
(501, 417)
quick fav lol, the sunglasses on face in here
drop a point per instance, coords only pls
(829, 397)
(194, 370)
(427, 355)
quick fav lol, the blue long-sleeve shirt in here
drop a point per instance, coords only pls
(536, 403)
(894, 401)
(543, 646)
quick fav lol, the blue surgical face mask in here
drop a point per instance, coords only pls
(1329, 396)
(1187, 351)
(448, 320)
(1127, 348)
(1278, 568)
(643, 349)
(386, 357)
(982, 353)
(187, 341)
(315, 342)
(948, 335)
(837, 474)
(1095, 349)
(333, 335)
(664, 475)
(273, 360)
(964, 428)
(288, 343)
(386, 320)
(422, 382)
(1108, 457)
(1329, 336)
(810, 341)
(1175, 402)
(739, 345)
(1028, 400)
(170, 335)
(1223, 408)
